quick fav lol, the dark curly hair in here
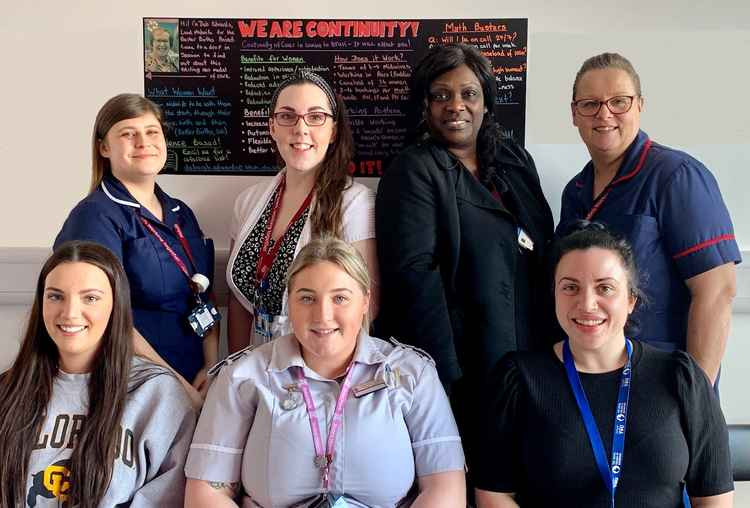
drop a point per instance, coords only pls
(584, 235)
(438, 61)
(332, 177)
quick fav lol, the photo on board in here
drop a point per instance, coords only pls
(161, 43)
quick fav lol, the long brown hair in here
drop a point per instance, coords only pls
(120, 107)
(26, 389)
(332, 177)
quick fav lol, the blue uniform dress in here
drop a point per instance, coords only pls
(668, 206)
(160, 292)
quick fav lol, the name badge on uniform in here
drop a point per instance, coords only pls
(373, 385)
(524, 240)
(203, 318)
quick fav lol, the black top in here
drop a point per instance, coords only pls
(536, 444)
(453, 278)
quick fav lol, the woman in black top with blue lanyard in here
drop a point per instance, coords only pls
(168, 261)
(601, 420)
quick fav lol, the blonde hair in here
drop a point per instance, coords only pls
(338, 252)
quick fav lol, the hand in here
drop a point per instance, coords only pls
(201, 382)
(195, 396)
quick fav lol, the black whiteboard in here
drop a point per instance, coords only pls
(216, 79)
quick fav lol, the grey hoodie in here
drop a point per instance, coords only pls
(157, 426)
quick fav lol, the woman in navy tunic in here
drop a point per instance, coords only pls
(128, 212)
(665, 202)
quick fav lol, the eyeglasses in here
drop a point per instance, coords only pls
(616, 105)
(312, 119)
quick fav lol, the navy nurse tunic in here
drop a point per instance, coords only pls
(160, 294)
(668, 206)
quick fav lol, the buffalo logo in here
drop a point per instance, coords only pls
(52, 482)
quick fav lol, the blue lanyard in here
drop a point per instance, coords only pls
(610, 472)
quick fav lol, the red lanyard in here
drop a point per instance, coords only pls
(599, 202)
(324, 458)
(266, 256)
(170, 251)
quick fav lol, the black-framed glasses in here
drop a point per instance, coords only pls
(617, 105)
(290, 118)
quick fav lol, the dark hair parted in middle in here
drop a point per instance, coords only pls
(332, 177)
(26, 388)
(438, 61)
(583, 235)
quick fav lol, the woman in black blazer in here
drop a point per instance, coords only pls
(462, 227)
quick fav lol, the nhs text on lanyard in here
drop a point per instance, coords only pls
(611, 471)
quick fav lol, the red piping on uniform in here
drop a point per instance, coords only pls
(703, 245)
(603, 196)
(638, 166)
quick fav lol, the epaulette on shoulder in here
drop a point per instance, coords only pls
(421, 352)
(230, 359)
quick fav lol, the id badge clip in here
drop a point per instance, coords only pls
(203, 317)
(262, 319)
(524, 240)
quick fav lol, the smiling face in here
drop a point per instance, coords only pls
(326, 308)
(456, 109)
(302, 147)
(136, 148)
(77, 305)
(161, 43)
(593, 298)
(605, 134)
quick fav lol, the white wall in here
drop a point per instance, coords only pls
(62, 60)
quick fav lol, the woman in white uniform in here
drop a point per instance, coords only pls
(327, 415)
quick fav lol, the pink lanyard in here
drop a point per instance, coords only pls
(170, 251)
(324, 458)
(603, 195)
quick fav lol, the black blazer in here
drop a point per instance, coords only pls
(458, 302)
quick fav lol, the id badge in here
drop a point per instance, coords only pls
(524, 240)
(319, 501)
(338, 503)
(262, 326)
(203, 317)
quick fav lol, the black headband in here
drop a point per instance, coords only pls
(302, 76)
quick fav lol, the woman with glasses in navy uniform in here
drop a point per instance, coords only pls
(312, 195)
(668, 206)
